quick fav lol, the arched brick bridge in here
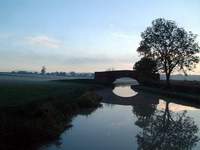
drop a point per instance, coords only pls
(111, 76)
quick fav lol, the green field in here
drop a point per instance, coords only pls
(23, 92)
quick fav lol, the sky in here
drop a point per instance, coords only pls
(83, 35)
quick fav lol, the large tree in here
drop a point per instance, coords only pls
(171, 46)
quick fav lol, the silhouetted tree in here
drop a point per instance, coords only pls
(146, 69)
(43, 70)
(171, 46)
(73, 74)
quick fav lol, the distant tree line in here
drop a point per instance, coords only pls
(64, 74)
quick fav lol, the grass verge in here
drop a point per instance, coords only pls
(32, 114)
(170, 93)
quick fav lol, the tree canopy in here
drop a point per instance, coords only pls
(171, 46)
(146, 69)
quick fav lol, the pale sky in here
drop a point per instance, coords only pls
(83, 35)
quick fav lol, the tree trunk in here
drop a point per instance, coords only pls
(168, 79)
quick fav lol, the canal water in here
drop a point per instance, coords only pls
(143, 124)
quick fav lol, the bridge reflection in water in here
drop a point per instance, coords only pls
(145, 123)
(165, 124)
(123, 88)
(124, 94)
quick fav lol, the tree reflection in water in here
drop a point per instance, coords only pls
(164, 129)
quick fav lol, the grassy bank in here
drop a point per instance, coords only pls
(18, 93)
(187, 90)
(32, 113)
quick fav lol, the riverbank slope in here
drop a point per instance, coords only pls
(186, 90)
(33, 113)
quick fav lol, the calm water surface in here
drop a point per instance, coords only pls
(164, 124)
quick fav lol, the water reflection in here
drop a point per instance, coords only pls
(165, 129)
(144, 114)
(173, 106)
(164, 126)
(142, 121)
(124, 91)
(122, 87)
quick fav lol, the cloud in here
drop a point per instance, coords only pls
(44, 41)
(94, 60)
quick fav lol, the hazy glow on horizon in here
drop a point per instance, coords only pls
(83, 35)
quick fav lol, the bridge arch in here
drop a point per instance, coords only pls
(125, 80)
(111, 76)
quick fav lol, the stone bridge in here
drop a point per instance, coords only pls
(111, 76)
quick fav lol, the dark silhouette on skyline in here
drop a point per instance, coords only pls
(171, 46)
(110, 76)
(146, 69)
